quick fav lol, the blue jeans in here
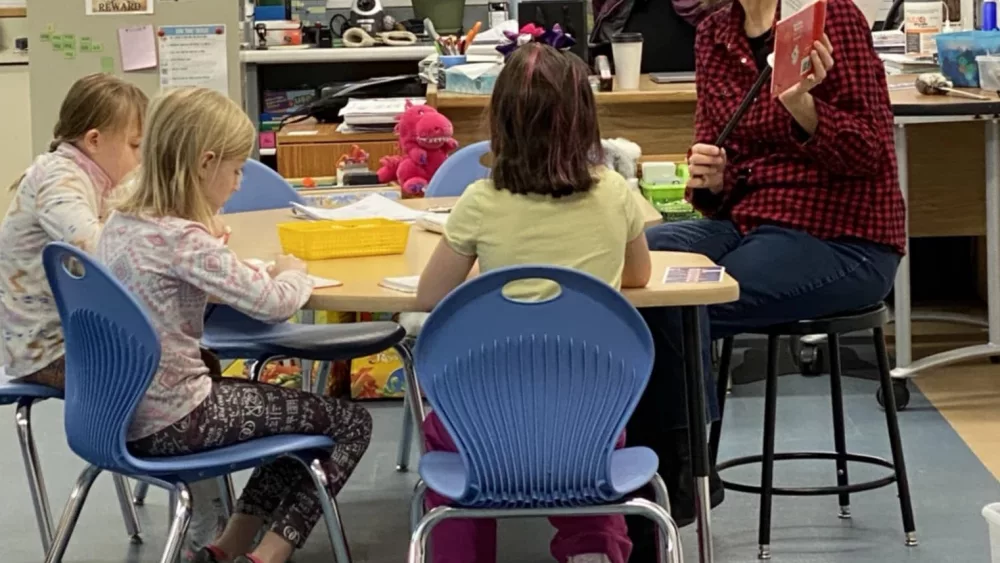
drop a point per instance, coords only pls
(785, 275)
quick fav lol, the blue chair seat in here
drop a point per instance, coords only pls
(229, 459)
(233, 335)
(445, 474)
(11, 393)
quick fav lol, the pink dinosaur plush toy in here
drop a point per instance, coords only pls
(425, 139)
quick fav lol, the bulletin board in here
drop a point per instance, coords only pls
(67, 43)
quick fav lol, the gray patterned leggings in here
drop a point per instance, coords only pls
(282, 492)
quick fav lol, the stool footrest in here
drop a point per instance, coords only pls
(810, 491)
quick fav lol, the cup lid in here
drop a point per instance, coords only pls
(627, 38)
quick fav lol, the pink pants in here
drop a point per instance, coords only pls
(463, 540)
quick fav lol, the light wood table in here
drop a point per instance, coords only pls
(254, 236)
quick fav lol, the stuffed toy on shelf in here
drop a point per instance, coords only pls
(425, 141)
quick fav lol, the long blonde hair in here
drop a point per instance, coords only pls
(97, 101)
(184, 124)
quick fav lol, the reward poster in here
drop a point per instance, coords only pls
(118, 7)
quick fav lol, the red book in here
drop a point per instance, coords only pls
(793, 42)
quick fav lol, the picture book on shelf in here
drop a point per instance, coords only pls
(793, 42)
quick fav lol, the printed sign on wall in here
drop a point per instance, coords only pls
(118, 7)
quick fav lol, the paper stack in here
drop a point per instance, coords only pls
(374, 206)
(375, 111)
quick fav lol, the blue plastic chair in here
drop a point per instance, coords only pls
(262, 188)
(112, 354)
(535, 399)
(458, 171)
(24, 395)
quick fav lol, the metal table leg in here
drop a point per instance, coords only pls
(901, 309)
(905, 368)
(695, 383)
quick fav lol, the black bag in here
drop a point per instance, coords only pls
(333, 97)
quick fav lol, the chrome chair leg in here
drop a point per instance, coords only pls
(132, 526)
(331, 514)
(71, 513)
(670, 543)
(172, 506)
(181, 518)
(139, 494)
(228, 495)
(405, 438)
(33, 469)
(422, 533)
(417, 504)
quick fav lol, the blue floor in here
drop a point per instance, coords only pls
(949, 487)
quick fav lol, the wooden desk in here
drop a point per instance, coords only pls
(311, 149)
(254, 236)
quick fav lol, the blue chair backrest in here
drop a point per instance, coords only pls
(458, 171)
(261, 189)
(112, 353)
(535, 394)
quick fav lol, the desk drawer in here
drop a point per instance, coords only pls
(320, 159)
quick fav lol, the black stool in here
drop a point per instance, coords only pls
(872, 318)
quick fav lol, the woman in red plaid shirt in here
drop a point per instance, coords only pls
(802, 206)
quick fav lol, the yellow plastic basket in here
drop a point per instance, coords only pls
(319, 240)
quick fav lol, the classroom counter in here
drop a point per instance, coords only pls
(946, 163)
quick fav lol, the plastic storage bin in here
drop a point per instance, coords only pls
(989, 72)
(320, 240)
(991, 512)
(957, 54)
(472, 78)
(668, 199)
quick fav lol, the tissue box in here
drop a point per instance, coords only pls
(473, 78)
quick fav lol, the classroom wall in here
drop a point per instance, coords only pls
(15, 149)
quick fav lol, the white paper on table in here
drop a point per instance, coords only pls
(374, 206)
(194, 55)
(403, 284)
(137, 45)
(433, 222)
(318, 282)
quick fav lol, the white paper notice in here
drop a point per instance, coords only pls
(137, 46)
(194, 55)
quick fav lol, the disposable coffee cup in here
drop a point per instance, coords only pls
(627, 51)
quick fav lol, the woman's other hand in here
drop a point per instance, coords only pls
(822, 61)
(706, 165)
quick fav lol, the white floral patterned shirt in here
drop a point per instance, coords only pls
(64, 196)
(172, 265)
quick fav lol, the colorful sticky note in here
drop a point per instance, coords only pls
(85, 43)
(107, 65)
(50, 28)
(96, 47)
(316, 10)
(45, 37)
(69, 54)
(69, 37)
(56, 42)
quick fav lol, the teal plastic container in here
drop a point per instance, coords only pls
(957, 54)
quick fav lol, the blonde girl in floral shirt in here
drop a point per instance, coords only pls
(163, 244)
(65, 195)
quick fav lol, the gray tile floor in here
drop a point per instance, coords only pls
(949, 484)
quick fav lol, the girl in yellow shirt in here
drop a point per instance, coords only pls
(547, 202)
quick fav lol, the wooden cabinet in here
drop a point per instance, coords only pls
(312, 149)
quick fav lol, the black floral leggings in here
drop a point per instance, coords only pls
(280, 493)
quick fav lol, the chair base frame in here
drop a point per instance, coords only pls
(670, 549)
(181, 513)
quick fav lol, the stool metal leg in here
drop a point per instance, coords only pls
(405, 438)
(902, 482)
(767, 468)
(839, 433)
(721, 391)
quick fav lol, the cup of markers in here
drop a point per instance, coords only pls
(449, 46)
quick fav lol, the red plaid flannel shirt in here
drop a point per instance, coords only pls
(842, 181)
